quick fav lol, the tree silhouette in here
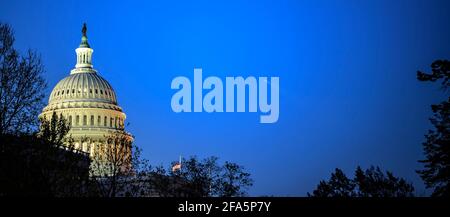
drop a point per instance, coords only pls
(374, 183)
(440, 70)
(65, 169)
(338, 186)
(200, 178)
(436, 172)
(370, 183)
(54, 130)
(111, 166)
(21, 86)
(233, 181)
(196, 178)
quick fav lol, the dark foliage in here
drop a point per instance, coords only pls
(370, 183)
(21, 86)
(233, 180)
(200, 178)
(436, 172)
(440, 70)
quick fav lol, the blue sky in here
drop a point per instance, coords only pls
(348, 91)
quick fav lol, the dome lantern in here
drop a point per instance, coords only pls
(84, 53)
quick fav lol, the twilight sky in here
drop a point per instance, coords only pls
(348, 89)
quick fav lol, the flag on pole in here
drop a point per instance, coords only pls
(177, 166)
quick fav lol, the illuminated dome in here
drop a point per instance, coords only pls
(83, 87)
(88, 102)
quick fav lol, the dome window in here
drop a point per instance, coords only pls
(90, 91)
(96, 91)
(101, 92)
(77, 120)
(105, 121)
(73, 91)
(84, 120)
(92, 120)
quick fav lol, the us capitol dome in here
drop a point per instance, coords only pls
(88, 102)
